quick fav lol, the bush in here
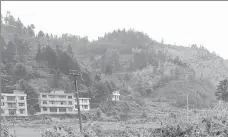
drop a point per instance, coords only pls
(144, 114)
(92, 115)
(124, 116)
(60, 131)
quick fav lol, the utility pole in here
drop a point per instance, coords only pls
(187, 108)
(76, 73)
(2, 45)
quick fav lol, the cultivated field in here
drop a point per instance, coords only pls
(208, 122)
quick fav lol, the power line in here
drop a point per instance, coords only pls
(136, 55)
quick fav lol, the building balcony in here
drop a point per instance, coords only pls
(56, 105)
(55, 99)
(53, 113)
(82, 109)
(11, 107)
(20, 100)
(14, 101)
(4, 106)
(21, 107)
(82, 103)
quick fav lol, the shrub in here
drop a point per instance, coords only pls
(92, 114)
(144, 114)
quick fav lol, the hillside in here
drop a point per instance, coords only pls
(159, 71)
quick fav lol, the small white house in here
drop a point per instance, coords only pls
(116, 95)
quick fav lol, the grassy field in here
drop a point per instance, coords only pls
(36, 127)
(106, 126)
(157, 113)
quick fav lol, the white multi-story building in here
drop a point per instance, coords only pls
(116, 95)
(14, 104)
(84, 104)
(59, 102)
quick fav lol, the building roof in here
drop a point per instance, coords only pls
(17, 92)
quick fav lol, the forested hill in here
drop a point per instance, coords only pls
(43, 61)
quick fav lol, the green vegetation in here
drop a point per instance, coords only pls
(166, 73)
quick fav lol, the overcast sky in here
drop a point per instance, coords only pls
(183, 23)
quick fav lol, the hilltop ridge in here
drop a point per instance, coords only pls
(151, 71)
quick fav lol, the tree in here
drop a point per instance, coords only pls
(87, 78)
(30, 30)
(140, 59)
(41, 34)
(101, 91)
(32, 96)
(97, 78)
(108, 69)
(2, 48)
(38, 54)
(110, 61)
(47, 36)
(67, 62)
(9, 68)
(56, 81)
(69, 50)
(52, 58)
(222, 93)
(126, 78)
(19, 71)
(194, 46)
(10, 51)
(19, 26)
(32, 26)
(9, 20)
(22, 48)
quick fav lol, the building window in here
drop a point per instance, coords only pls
(63, 103)
(52, 102)
(44, 102)
(62, 96)
(69, 97)
(3, 104)
(44, 96)
(22, 111)
(12, 112)
(70, 109)
(21, 98)
(2, 97)
(21, 104)
(10, 98)
(76, 106)
(62, 109)
(44, 109)
(70, 102)
(51, 96)
(53, 109)
(12, 105)
(85, 107)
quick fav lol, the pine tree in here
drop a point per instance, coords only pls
(10, 51)
(221, 92)
(69, 50)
